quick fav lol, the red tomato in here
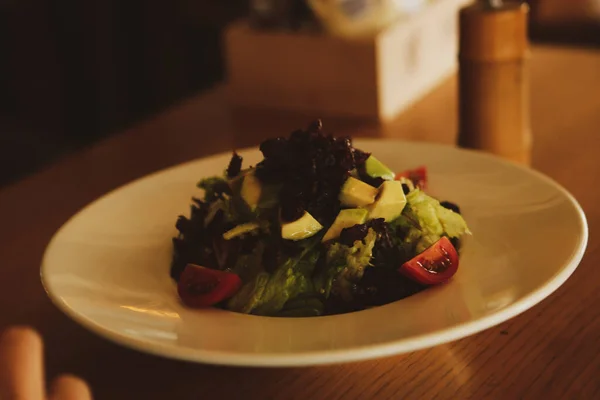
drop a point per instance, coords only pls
(435, 265)
(418, 176)
(203, 287)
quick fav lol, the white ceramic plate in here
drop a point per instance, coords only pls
(108, 267)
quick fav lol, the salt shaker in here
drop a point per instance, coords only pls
(493, 79)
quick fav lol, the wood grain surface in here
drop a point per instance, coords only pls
(551, 351)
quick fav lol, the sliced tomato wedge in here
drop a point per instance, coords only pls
(418, 176)
(200, 287)
(435, 265)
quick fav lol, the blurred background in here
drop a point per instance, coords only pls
(74, 72)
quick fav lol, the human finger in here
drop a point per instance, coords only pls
(68, 387)
(21, 365)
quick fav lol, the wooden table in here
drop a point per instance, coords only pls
(551, 351)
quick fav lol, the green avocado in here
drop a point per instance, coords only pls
(302, 228)
(269, 197)
(254, 193)
(356, 193)
(345, 219)
(235, 183)
(241, 229)
(376, 169)
(390, 201)
(251, 190)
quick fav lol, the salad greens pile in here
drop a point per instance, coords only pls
(317, 227)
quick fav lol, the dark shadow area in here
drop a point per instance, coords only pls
(74, 72)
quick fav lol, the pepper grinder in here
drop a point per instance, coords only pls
(493, 79)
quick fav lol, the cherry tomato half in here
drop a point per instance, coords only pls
(435, 265)
(418, 176)
(203, 287)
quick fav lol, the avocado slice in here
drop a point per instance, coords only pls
(345, 219)
(241, 229)
(390, 201)
(269, 196)
(235, 183)
(251, 190)
(302, 228)
(356, 193)
(376, 169)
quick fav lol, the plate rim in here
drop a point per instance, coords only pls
(328, 357)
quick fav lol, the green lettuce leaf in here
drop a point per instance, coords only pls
(247, 266)
(430, 221)
(248, 297)
(306, 304)
(401, 228)
(290, 279)
(345, 266)
(250, 270)
(212, 186)
(218, 194)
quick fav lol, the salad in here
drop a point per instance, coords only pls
(318, 227)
